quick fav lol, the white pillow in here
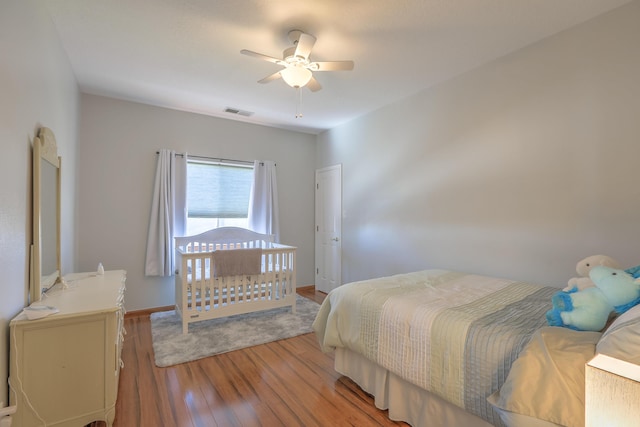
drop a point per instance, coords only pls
(622, 339)
(547, 380)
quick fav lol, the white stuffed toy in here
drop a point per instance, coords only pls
(584, 267)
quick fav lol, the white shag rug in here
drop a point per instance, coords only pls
(216, 336)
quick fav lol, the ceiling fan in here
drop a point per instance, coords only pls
(298, 68)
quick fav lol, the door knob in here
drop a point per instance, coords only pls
(335, 239)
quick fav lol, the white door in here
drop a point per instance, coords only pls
(328, 227)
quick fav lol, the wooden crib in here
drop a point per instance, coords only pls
(231, 270)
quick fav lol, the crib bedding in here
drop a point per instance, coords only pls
(242, 287)
(453, 334)
(197, 272)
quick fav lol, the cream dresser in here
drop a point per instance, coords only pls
(64, 368)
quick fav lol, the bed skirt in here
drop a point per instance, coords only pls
(405, 401)
(411, 404)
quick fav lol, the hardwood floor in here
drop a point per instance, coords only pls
(283, 383)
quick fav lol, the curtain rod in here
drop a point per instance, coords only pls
(246, 162)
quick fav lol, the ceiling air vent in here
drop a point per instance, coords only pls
(238, 112)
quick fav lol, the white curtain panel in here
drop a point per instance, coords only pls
(263, 201)
(168, 213)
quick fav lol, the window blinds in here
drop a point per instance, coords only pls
(218, 190)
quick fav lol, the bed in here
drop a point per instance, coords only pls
(231, 270)
(444, 348)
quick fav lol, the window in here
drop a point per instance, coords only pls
(217, 195)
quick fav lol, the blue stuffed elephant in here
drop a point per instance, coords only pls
(589, 309)
(634, 271)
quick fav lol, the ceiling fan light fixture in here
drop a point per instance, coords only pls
(298, 68)
(296, 76)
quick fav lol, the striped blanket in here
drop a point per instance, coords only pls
(453, 334)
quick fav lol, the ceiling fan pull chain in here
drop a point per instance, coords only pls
(298, 103)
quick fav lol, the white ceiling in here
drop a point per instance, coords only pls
(185, 54)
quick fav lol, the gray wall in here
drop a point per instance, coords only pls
(119, 140)
(37, 88)
(516, 169)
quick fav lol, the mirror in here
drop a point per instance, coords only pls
(45, 255)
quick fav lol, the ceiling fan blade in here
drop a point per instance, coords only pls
(261, 56)
(270, 78)
(313, 85)
(332, 66)
(304, 45)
